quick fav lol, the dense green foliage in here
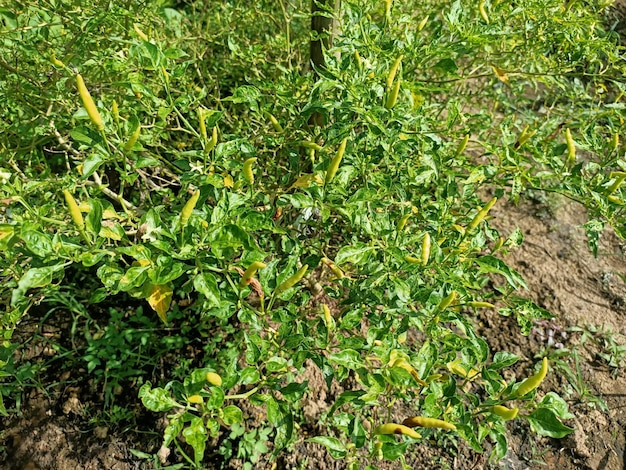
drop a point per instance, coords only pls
(397, 242)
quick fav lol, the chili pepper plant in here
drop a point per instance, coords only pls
(336, 220)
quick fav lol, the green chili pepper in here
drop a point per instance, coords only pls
(292, 281)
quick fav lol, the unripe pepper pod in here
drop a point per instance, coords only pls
(392, 72)
(250, 272)
(214, 379)
(88, 103)
(461, 148)
(447, 301)
(247, 170)
(422, 23)
(619, 177)
(292, 281)
(392, 96)
(188, 208)
(532, 382)
(428, 423)
(132, 140)
(336, 161)
(393, 428)
(402, 222)
(77, 216)
(478, 218)
(504, 412)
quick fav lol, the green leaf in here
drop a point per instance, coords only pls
(491, 264)
(275, 364)
(334, 446)
(544, 422)
(555, 403)
(357, 254)
(196, 436)
(37, 242)
(206, 284)
(231, 415)
(91, 164)
(93, 221)
(34, 278)
(503, 359)
(156, 399)
(348, 358)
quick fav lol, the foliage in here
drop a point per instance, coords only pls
(372, 273)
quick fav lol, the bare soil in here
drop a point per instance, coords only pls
(56, 430)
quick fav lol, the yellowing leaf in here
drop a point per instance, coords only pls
(160, 299)
(228, 181)
(305, 181)
(501, 74)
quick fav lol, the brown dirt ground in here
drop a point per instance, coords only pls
(53, 430)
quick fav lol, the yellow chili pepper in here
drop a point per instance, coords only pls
(275, 124)
(77, 216)
(532, 382)
(336, 161)
(328, 318)
(483, 12)
(202, 125)
(310, 145)
(334, 268)
(571, 148)
(88, 103)
(425, 249)
(422, 23)
(504, 412)
(480, 304)
(402, 363)
(428, 423)
(393, 428)
(250, 272)
(195, 399)
(388, 8)
(292, 281)
(412, 259)
(139, 32)
(247, 170)
(212, 141)
(115, 111)
(214, 379)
